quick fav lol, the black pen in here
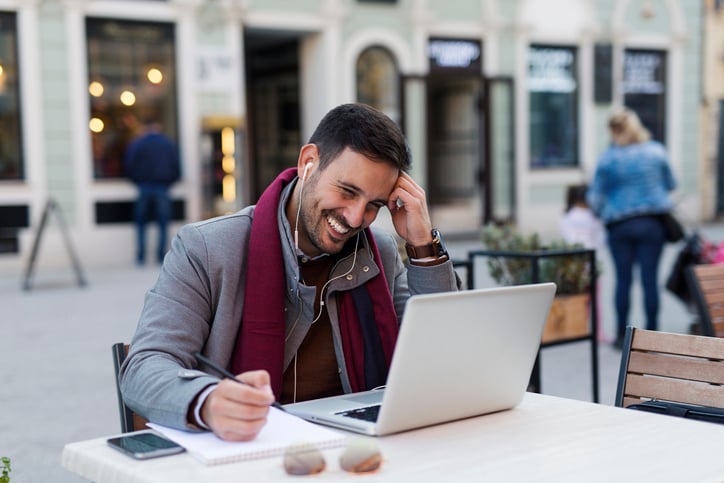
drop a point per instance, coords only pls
(228, 375)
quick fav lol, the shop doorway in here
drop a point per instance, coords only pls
(470, 161)
(273, 106)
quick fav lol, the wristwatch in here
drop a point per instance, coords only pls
(435, 249)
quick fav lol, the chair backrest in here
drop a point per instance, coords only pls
(671, 367)
(130, 421)
(707, 285)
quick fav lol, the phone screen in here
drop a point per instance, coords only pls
(145, 445)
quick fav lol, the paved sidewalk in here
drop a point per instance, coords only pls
(56, 375)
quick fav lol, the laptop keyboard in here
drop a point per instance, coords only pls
(368, 413)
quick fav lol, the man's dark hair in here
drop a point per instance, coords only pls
(362, 129)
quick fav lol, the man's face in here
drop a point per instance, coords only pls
(341, 200)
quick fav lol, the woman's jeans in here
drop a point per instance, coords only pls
(639, 240)
(152, 198)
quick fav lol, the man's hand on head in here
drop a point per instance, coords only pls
(410, 215)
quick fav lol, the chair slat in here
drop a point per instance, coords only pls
(672, 367)
(713, 297)
(675, 390)
(710, 270)
(710, 282)
(712, 286)
(699, 346)
(679, 367)
(716, 311)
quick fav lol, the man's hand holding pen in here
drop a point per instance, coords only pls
(237, 412)
(237, 407)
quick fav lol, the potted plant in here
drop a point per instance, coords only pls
(569, 314)
(5, 470)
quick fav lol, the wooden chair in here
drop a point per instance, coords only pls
(706, 283)
(678, 368)
(130, 421)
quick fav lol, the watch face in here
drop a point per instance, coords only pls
(438, 243)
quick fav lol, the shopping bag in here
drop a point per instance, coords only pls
(673, 230)
(690, 254)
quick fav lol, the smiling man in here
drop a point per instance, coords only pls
(296, 295)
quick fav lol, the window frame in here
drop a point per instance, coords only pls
(13, 76)
(571, 139)
(156, 101)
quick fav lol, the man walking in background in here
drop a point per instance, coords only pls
(152, 163)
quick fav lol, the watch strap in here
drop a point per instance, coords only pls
(421, 251)
(430, 262)
(435, 249)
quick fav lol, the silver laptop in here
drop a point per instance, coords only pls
(458, 354)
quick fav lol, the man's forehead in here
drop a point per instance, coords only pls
(373, 185)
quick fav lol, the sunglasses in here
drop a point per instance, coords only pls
(361, 455)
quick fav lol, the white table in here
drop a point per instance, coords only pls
(545, 438)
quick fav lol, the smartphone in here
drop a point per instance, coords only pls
(144, 445)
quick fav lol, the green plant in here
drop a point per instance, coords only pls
(5, 473)
(569, 272)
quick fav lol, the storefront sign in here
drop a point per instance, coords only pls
(215, 70)
(643, 73)
(455, 54)
(550, 69)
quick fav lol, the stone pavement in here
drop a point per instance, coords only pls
(56, 376)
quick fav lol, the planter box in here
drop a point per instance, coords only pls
(568, 318)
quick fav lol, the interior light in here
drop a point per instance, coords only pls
(128, 98)
(96, 89)
(96, 125)
(154, 75)
(227, 164)
(2, 69)
(227, 141)
(228, 188)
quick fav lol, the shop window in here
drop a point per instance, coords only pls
(644, 88)
(378, 82)
(131, 77)
(11, 153)
(553, 96)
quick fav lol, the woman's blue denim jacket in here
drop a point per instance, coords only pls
(630, 181)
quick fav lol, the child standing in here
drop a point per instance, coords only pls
(580, 225)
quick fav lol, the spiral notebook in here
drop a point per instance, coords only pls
(281, 431)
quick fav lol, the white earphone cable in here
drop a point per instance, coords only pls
(321, 309)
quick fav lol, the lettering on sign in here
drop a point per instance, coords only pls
(642, 73)
(454, 54)
(215, 71)
(550, 69)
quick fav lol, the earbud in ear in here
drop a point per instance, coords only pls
(307, 167)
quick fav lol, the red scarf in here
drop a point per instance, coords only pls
(368, 323)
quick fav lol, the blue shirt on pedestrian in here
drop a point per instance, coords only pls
(630, 181)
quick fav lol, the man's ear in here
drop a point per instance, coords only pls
(308, 155)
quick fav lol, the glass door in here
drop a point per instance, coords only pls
(461, 133)
(499, 178)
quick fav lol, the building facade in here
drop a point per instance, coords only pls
(504, 103)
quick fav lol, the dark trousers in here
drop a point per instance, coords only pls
(638, 240)
(152, 198)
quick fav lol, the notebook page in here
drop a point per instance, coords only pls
(281, 430)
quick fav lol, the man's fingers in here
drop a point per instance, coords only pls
(237, 411)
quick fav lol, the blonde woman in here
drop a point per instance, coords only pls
(629, 191)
